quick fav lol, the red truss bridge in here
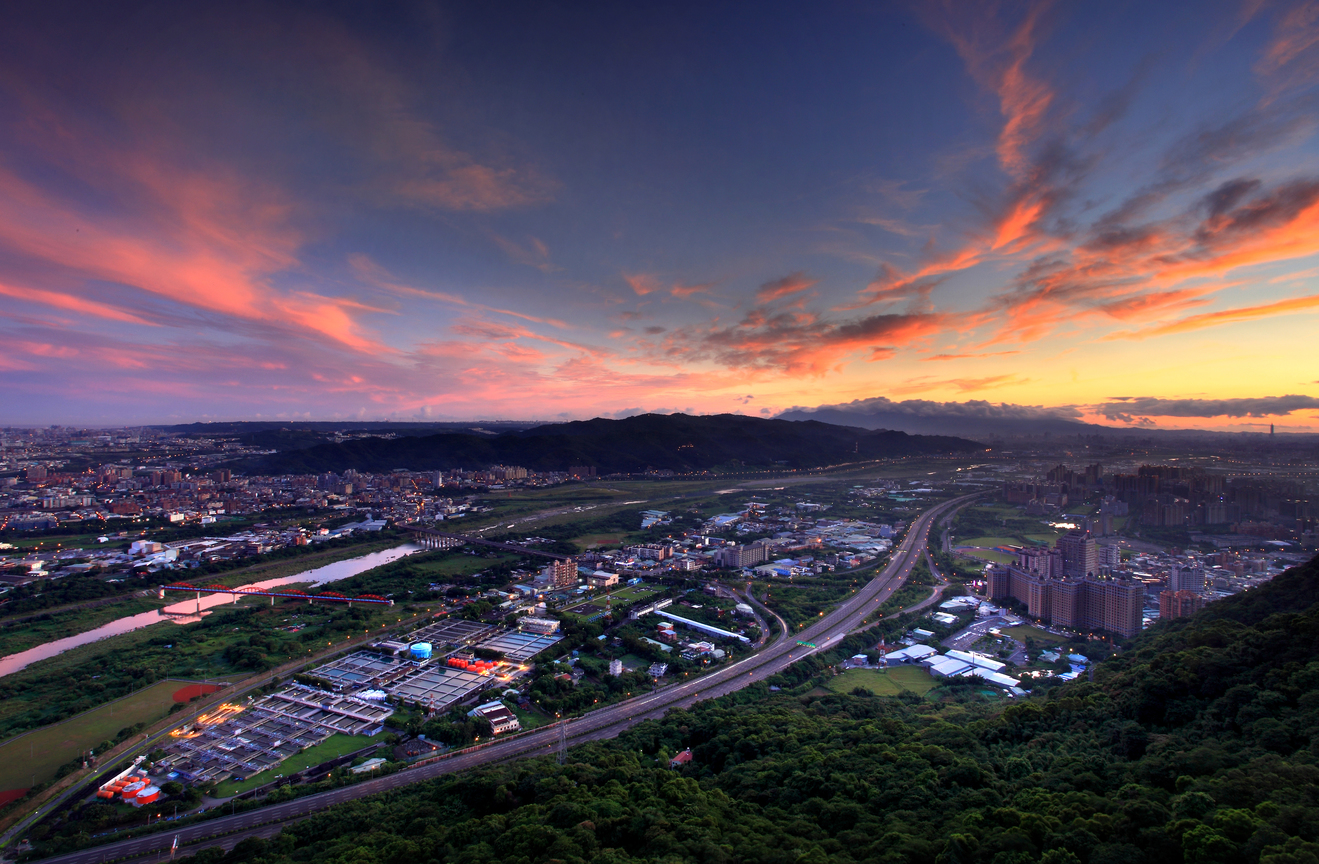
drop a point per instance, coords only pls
(291, 593)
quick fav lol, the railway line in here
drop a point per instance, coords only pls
(600, 724)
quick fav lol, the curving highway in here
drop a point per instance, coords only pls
(603, 723)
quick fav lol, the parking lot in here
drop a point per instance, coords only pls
(964, 639)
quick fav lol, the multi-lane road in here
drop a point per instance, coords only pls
(603, 723)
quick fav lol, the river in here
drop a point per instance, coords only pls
(185, 612)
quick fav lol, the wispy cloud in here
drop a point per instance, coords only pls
(1121, 407)
(532, 253)
(797, 342)
(939, 357)
(373, 274)
(1222, 316)
(784, 287)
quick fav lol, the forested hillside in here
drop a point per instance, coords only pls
(1199, 746)
(675, 442)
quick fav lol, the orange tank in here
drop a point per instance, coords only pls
(130, 791)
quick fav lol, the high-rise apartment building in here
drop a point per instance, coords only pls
(1114, 604)
(1179, 604)
(1041, 562)
(745, 555)
(563, 574)
(1186, 579)
(1109, 556)
(1079, 555)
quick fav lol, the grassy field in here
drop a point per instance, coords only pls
(529, 719)
(888, 682)
(632, 661)
(633, 593)
(590, 541)
(988, 542)
(622, 598)
(1020, 634)
(994, 555)
(38, 754)
(455, 564)
(336, 745)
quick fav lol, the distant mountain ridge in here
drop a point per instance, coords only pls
(675, 442)
(998, 423)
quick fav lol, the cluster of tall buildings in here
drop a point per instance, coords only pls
(1184, 595)
(1069, 587)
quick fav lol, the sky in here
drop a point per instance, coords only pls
(226, 211)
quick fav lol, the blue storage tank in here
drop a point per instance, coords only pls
(421, 651)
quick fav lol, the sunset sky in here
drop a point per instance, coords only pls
(547, 211)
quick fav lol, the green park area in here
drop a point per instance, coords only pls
(990, 525)
(446, 565)
(603, 538)
(619, 600)
(887, 682)
(992, 555)
(529, 719)
(1023, 632)
(37, 755)
(336, 745)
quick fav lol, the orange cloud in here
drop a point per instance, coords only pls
(1023, 99)
(1223, 316)
(1013, 226)
(1138, 273)
(790, 284)
(1291, 59)
(961, 385)
(642, 283)
(998, 64)
(938, 357)
(72, 304)
(794, 341)
(207, 240)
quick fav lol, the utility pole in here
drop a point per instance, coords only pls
(563, 740)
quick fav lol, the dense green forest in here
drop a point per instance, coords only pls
(1198, 745)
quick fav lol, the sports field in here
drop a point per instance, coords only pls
(36, 756)
(609, 538)
(1020, 634)
(887, 682)
(622, 598)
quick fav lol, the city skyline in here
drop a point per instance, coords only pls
(278, 211)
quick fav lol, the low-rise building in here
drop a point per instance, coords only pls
(499, 716)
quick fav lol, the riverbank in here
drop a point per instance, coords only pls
(234, 638)
(326, 573)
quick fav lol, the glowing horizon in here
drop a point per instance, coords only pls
(546, 214)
